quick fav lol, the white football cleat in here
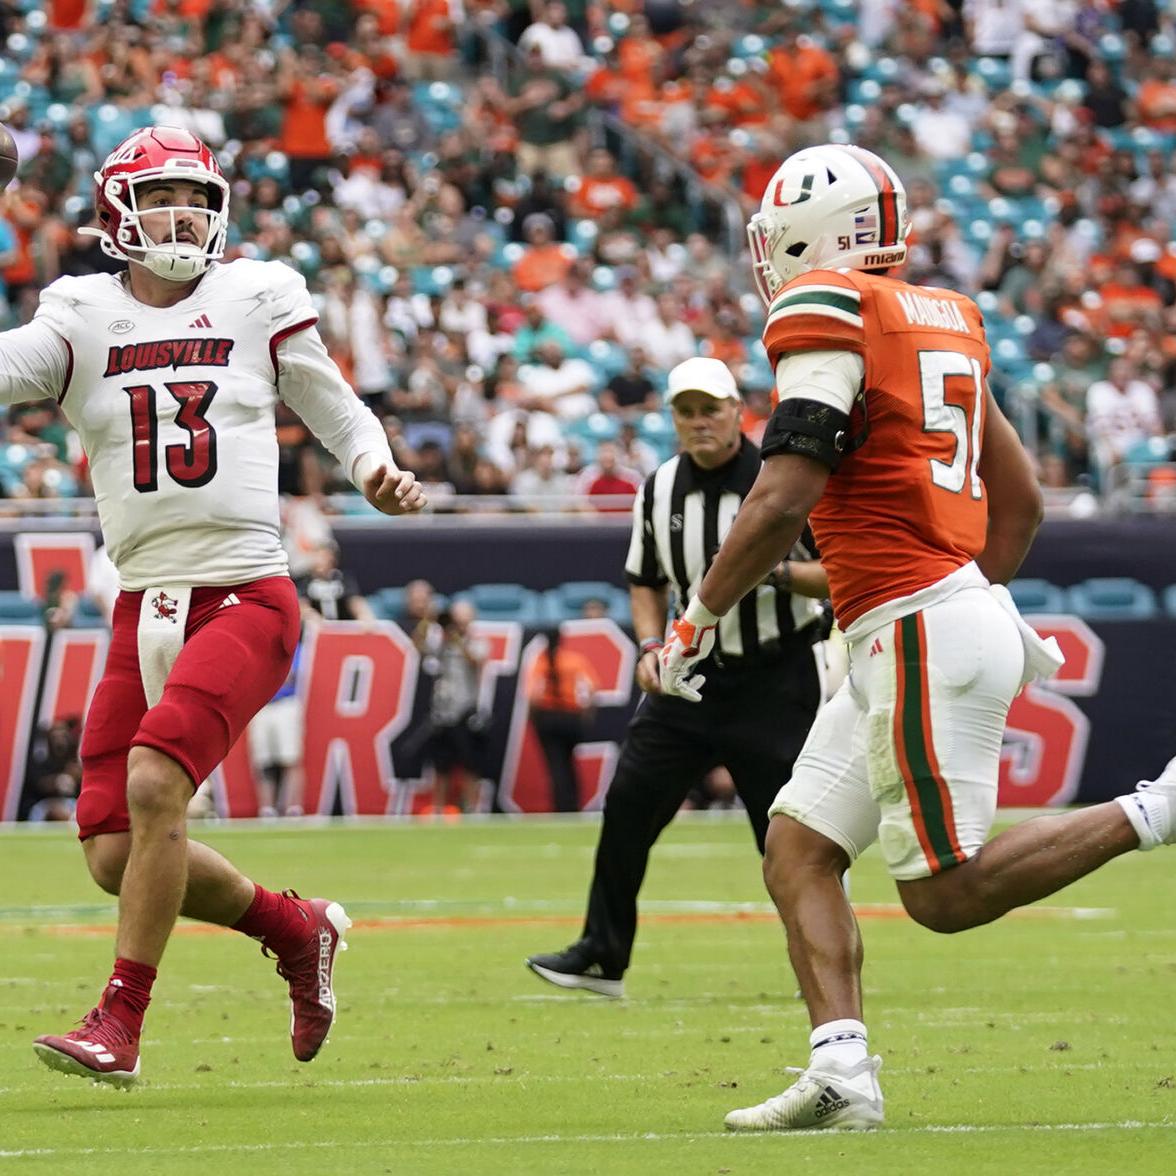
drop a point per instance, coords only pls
(835, 1097)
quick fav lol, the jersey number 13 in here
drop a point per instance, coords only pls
(190, 464)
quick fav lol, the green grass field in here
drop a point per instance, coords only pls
(1046, 1043)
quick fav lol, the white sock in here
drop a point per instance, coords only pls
(841, 1041)
(1150, 817)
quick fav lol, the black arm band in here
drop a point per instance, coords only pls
(809, 428)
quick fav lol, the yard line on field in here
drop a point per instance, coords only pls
(269, 828)
(524, 1078)
(615, 1137)
(533, 911)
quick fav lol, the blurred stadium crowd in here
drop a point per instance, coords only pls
(517, 215)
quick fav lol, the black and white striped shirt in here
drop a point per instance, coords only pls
(679, 519)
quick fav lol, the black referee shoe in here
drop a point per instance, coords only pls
(575, 968)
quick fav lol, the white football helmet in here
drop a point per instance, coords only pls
(828, 207)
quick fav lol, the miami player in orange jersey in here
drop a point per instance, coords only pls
(886, 439)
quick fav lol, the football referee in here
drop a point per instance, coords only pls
(762, 683)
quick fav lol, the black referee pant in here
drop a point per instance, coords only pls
(753, 719)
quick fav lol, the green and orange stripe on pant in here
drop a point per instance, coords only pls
(914, 747)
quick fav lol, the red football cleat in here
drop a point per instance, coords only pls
(309, 970)
(102, 1049)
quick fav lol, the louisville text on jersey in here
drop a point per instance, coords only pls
(173, 353)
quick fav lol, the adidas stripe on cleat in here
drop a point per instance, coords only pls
(835, 1097)
(102, 1049)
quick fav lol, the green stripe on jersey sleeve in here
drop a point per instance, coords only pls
(809, 296)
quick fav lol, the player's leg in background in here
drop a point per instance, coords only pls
(766, 718)
(666, 752)
(290, 778)
(262, 740)
(470, 790)
(441, 763)
(559, 732)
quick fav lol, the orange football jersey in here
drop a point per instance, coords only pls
(907, 507)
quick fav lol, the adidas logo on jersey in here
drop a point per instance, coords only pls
(831, 1100)
(876, 647)
(228, 600)
(202, 322)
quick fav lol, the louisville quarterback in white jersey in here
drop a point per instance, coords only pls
(174, 407)
(170, 372)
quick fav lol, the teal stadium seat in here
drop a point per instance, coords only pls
(1170, 600)
(506, 254)
(306, 256)
(88, 614)
(657, 429)
(756, 374)
(439, 103)
(1112, 48)
(377, 607)
(1113, 598)
(582, 234)
(882, 70)
(17, 609)
(863, 92)
(749, 45)
(505, 602)
(388, 603)
(1038, 596)
(609, 358)
(594, 428)
(110, 125)
(432, 280)
(996, 74)
(840, 11)
(1152, 451)
(566, 603)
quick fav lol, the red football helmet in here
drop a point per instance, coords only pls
(154, 154)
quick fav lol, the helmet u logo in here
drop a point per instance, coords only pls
(806, 192)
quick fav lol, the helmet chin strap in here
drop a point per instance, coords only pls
(174, 261)
(177, 266)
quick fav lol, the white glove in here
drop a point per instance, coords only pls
(692, 638)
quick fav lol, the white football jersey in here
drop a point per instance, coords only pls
(174, 407)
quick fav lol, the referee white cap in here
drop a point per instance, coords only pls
(699, 374)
